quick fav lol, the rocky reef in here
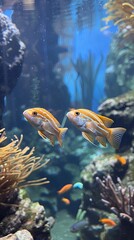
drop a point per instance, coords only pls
(120, 64)
(108, 182)
(11, 58)
(119, 76)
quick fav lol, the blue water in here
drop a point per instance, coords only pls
(82, 40)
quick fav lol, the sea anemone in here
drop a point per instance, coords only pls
(16, 165)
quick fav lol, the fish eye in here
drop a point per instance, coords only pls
(77, 113)
(34, 113)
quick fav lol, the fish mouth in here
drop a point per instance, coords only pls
(68, 115)
(26, 115)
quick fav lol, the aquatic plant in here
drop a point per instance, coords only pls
(87, 74)
(16, 165)
(119, 199)
(122, 13)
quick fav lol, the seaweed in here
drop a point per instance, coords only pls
(87, 75)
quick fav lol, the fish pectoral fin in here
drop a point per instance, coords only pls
(101, 140)
(42, 134)
(52, 139)
(90, 125)
(107, 121)
(88, 136)
(61, 135)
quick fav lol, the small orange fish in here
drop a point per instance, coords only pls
(95, 127)
(121, 159)
(66, 201)
(108, 222)
(46, 124)
(65, 188)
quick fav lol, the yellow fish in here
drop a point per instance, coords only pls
(96, 127)
(46, 124)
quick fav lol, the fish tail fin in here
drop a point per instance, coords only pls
(115, 136)
(61, 135)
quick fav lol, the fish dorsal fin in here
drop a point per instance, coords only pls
(52, 117)
(89, 137)
(107, 121)
(101, 140)
(72, 109)
(42, 134)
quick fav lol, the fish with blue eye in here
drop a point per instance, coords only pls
(78, 185)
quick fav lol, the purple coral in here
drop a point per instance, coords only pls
(119, 199)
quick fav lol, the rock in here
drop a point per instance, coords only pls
(9, 237)
(23, 235)
(11, 58)
(28, 215)
(19, 235)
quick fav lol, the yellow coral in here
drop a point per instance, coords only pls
(16, 165)
(122, 14)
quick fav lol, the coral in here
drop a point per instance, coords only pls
(16, 165)
(120, 62)
(122, 13)
(118, 198)
(17, 211)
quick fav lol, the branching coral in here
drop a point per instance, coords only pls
(118, 198)
(122, 13)
(16, 165)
